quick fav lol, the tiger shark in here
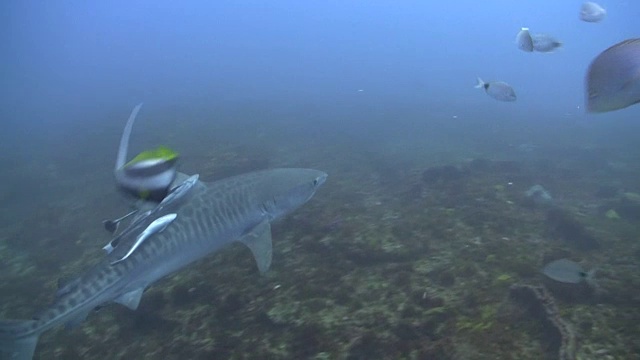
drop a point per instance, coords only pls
(194, 220)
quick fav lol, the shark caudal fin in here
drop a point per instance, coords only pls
(17, 339)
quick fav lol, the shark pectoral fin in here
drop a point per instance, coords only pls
(259, 242)
(73, 323)
(130, 299)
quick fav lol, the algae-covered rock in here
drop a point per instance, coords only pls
(612, 215)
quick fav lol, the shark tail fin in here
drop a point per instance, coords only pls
(17, 342)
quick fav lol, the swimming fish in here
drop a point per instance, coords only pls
(524, 40)
(592, 12)
(567, 271)
(498, 90)
(544, 43)
(157, 226)
(148, 175)
(539, 195)
(613, 78)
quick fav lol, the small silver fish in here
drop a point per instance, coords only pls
(524, 40)
(613, 78)
(498, 90)
(545, 43)
(539, 195)
(567, 271)
(592, 12)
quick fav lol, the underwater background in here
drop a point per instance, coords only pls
(424, 242)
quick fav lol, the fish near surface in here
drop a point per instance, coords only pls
(200, 222)
(613, 78)
(592, 12)
(498, 90)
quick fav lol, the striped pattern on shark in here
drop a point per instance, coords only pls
(208, 217)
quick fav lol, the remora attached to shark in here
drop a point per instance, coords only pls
(194, 220)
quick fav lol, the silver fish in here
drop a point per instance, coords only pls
(524, 40)
(179, 190)
(613, 78)
(545, 43)
(498, 90)
(566, 271)
(539, 195)
(592, 12)
(157, 226)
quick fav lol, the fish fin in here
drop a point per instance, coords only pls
(76, 321)
(111, 226)
(13, 347)
(258, 240)
(480, 84)
(124, 141)
(524, 40)
(108, 248)
(130, 299)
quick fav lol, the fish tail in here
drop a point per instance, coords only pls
(17, 340)
(480, 84)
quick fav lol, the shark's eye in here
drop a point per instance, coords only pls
(315, 182)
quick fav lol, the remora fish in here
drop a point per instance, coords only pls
(207, 217)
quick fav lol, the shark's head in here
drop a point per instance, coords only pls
(284, 190)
